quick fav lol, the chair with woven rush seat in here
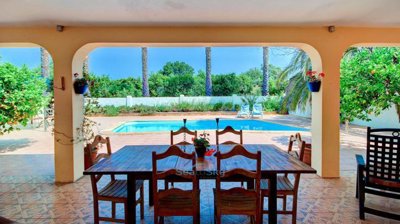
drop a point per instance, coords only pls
(175, 201)
(229, 129)
(285, 187)
(380, 175)
(238, 200)
(115, 191)
(183, 130)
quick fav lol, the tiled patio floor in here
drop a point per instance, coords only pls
(28, 193)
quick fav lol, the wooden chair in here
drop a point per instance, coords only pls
(381, 174)
(229, 129)
(175, 201)
(114, 191)
(238, 200)
(183, 130)
(90, 158)
(285, 187)
(306, 156)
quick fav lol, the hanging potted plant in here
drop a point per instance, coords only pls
(81, 85)
(314, 80)
(201, 144)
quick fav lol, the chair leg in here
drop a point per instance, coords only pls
(284, 202)
(161, 219)
(113, 215)
(218, 218)
(361, 199)
(294, 209)
(142, 202)
(126, 212)
(96, 211)
(357, 184)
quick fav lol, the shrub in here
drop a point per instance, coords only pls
(21, 94)
(111, 110)
(272, 104)
(217, 106)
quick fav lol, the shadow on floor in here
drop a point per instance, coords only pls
(12, 145)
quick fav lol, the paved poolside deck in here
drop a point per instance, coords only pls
(28, 193)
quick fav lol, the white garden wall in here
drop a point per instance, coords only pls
(387, 119)
(152, 101)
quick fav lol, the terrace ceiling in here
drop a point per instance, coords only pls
(368, 13)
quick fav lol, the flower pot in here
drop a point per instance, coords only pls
(200, 150)
(80, 89)
(314, 86)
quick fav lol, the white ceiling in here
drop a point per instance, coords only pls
(372, 13)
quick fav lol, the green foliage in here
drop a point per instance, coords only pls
(292, 78)
(177, 68)
(225, 85)
(272, 104)
(111, 110)
(250, 100)
(370, 82)
(103, 86)
(21, 96)
(178, 78)
(179, 85)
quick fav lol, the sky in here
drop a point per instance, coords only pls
(122, 62)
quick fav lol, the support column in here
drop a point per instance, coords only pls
(68, 152)
(325, 117)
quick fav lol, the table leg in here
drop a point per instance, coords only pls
(272, 199)
(131, 216)
(151, 198)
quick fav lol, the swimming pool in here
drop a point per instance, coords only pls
(238, 124)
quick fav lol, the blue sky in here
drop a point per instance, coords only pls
(121, 62)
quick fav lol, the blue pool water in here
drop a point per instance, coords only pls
(238, 124)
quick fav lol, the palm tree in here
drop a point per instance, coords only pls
(85, 69)
(145, 83)
(265, 88)
(296, 92)
(208, 72)
(45, 62)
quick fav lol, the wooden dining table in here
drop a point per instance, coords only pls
(135, 161)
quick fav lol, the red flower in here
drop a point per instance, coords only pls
(322, 74)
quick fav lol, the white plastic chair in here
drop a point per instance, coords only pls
(258, 110)
(244, 111)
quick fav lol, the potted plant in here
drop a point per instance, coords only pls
(201, 144)
(81, 85)
(314, 80)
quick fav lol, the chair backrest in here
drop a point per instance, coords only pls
(383, 156)
(245, 108)
(258, 107)
(183, 130)
(189, 175)
(240, 172)
(229, 129)
(302, 146)
(98, 141)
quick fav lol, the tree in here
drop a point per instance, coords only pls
(85, 68)
(177, 68)
(296, 91)
(208, 72)
(157, 83)
(179, 85)
(370, 82)
(145, 87)
(225, 84)
(265, 85)
(21, 94)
